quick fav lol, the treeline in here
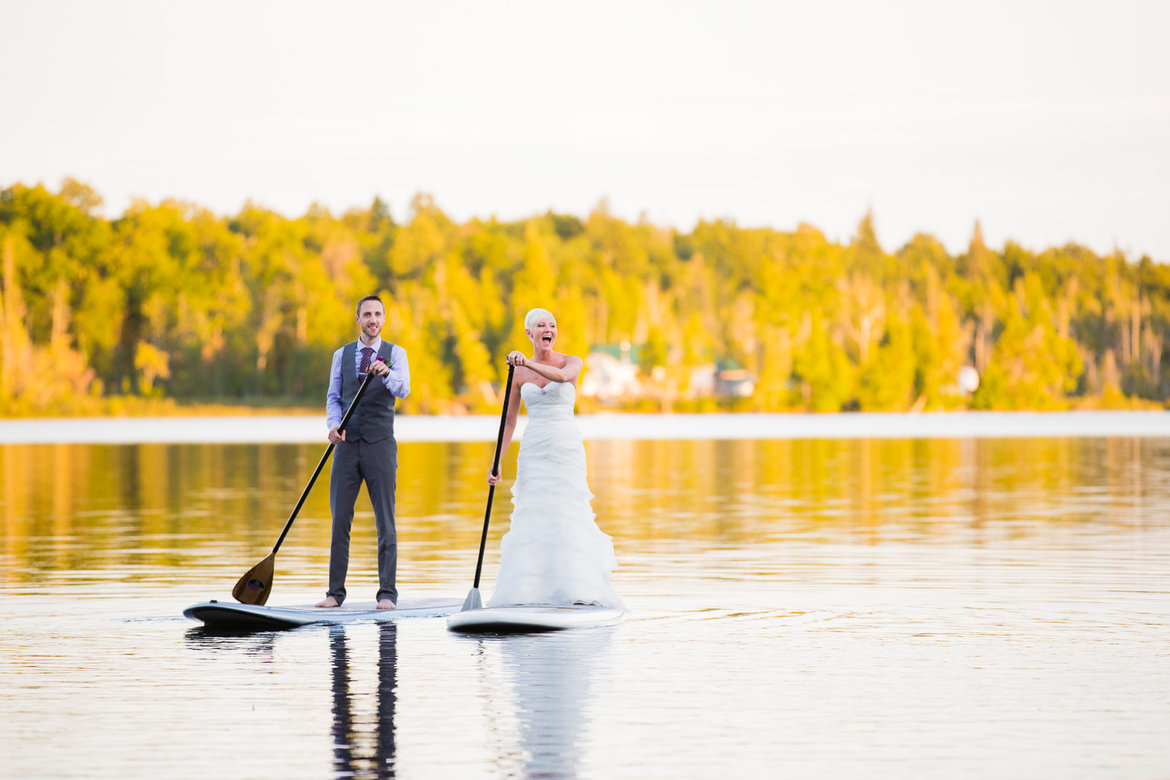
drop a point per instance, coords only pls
(170, 301)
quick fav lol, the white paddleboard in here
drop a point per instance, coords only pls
(251, 617)
(529, 619)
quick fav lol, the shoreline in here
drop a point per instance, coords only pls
(296, 428)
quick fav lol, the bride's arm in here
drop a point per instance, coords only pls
(509, 427)
(569, 373)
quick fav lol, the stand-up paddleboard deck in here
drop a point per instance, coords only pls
(250, 617)
(531, 619)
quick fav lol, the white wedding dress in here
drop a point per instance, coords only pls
(553, 552)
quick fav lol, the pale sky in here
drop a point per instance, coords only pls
(1047, 121)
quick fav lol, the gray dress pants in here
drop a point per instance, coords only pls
(376, 464)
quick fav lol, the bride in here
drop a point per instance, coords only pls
(553, 552)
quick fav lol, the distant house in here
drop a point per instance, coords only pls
(733, 381)
(724, 378)
(611, 373)
(702, 384)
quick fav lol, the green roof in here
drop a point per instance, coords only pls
(615, 351)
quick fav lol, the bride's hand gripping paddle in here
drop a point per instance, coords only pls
(473, 600)
(254, 587)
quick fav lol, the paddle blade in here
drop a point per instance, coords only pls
(253, 587)
(473, 601)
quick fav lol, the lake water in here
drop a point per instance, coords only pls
(943, 602)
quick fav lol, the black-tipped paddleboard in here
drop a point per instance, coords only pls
(251, 617)
(532, 619)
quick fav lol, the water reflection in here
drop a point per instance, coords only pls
(79, 508)
(364, 748)
(548, 682)
(363, 737)
(256, 645)
(836, 608)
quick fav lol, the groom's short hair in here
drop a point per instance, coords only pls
(358, 310)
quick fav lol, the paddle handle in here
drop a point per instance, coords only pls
(321, 464)
(487, 515)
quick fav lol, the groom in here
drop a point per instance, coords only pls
(366, 450)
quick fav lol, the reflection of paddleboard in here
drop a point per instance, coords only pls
(251, 617)
(528, 619)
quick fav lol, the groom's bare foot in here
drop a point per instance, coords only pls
(386, 604)
(328, 602)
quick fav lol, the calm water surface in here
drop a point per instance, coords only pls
(859, 608)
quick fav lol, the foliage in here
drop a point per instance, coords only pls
(173, 303)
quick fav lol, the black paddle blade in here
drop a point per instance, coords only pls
(254, 587)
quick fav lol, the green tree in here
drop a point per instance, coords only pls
(1033, 366)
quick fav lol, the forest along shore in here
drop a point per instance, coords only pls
(170, 301)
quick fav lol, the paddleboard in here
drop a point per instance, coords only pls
(251, 617)
(531, 619)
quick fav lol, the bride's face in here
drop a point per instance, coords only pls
(543, 333)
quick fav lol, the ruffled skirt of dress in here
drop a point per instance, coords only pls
(553, 552)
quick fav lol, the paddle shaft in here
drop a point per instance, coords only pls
(487, 515)
(328, 451)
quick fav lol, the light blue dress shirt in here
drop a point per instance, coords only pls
(397, 381)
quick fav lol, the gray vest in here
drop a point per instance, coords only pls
(373, 419)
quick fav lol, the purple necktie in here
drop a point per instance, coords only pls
(367, 354)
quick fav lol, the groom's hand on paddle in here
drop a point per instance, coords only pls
(335, 436)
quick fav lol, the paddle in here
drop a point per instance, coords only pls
(473, 600)
(253, 587)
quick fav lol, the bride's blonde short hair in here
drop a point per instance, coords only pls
(535, 314)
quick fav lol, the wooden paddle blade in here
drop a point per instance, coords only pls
(253, 587)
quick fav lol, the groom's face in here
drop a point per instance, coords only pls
(370, 318)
